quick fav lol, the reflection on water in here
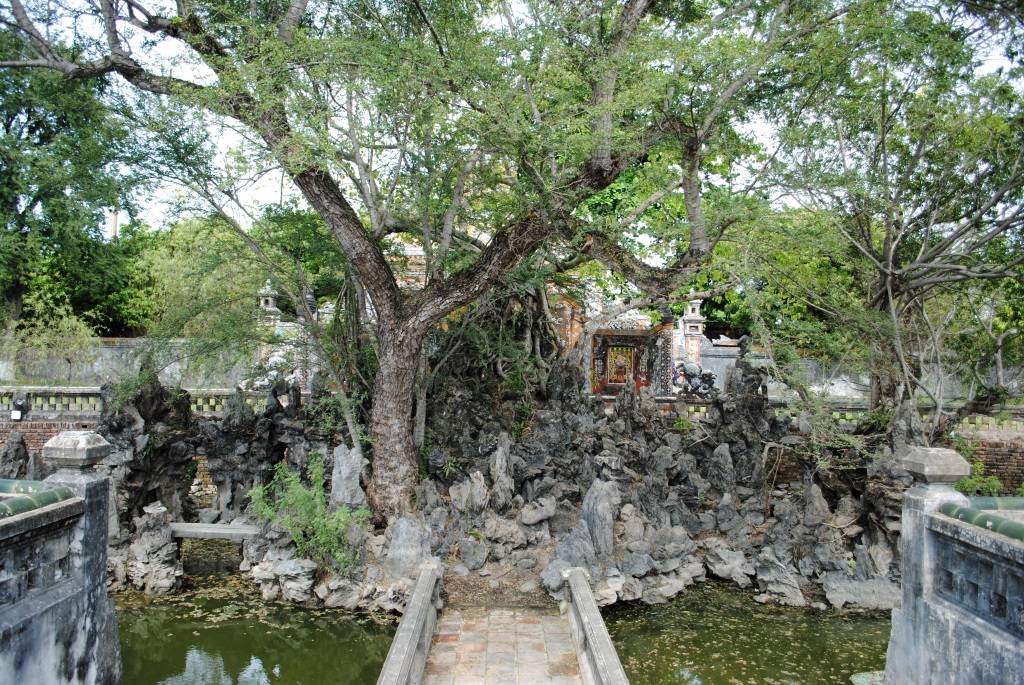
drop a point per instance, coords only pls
(206, 668)
(716, 634)
(222, 633)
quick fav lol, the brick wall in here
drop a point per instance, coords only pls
(1002, 452)
(36, 433)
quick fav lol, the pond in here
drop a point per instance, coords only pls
(219, 632)
(715, 634)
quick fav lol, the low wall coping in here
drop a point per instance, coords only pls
(599, 662)
(1000, 546)
(44, 517)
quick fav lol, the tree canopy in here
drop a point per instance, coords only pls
(680, 145)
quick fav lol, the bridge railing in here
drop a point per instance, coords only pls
(407, 657)
(599, 662)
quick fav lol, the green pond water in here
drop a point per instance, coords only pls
(220, 632)
(716, 634)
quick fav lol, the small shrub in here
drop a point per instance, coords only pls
(127, 389)
(522, 415)
(191, 470)
(450, 466)
(962, 445)
(318, 533)
(978, 483)
(1019, 492)
(326, 414)
(683, 423)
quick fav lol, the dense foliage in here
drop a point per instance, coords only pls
(842, 179)
(320, 532)
(64, 170)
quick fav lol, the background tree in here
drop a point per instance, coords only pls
(917, 161)
(63, 157)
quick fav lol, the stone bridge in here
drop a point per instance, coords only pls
(490, 645)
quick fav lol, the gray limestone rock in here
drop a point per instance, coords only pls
(409, 547)
(393, 599)
(427, 496)
(663, 589)
(633, 526)
(503, 531)
(577, 548)
(551, 577)
(296, 577)
(469, 496)
(776, 582)
(14, 457)
(209, 515)
(720, 472)
(346, 489)
(637, 565)
(816, 511)
(473, 553)
(671, 542)
(600, 508)
(727, 563)
(541, 510)
(632, 590)
(873, 593)
(153, 564)
(340, 593)
(503, 486)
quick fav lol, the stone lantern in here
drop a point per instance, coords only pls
(268, 299)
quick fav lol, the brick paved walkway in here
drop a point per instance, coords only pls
(481, 646)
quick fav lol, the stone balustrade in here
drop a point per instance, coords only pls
(961, 617)
(87, 402)
(20, 496)
(57, 624)
(407, 657)
(599, 662)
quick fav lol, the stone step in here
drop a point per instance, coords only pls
(213, 531)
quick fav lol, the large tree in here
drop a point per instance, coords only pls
(478, 131)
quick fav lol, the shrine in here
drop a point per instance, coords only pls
(633, 351)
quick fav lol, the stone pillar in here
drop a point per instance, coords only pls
(935, 470)
(74, 454)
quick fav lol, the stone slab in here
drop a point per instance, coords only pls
(213, 531)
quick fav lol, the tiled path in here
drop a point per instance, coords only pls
(481, 646)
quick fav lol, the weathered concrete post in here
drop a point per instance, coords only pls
(934, 470)
(75, 453)
(951, 626)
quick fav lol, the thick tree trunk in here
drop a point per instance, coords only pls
(14, 299)
(391, 424)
